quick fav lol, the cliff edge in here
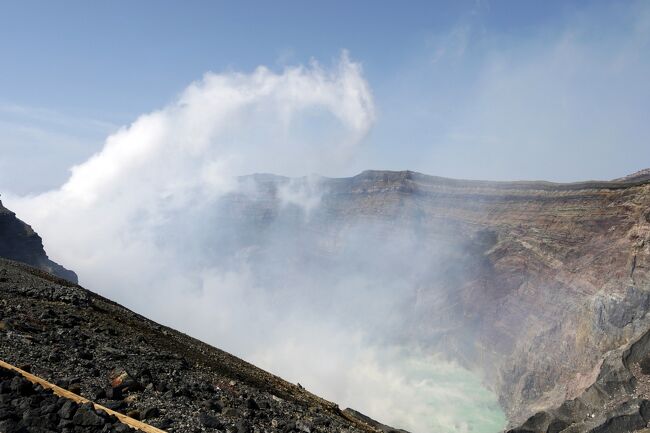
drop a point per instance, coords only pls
(20, 243)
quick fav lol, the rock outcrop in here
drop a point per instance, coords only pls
(19, 242)
(617, 402)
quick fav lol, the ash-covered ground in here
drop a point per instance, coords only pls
(110, 355)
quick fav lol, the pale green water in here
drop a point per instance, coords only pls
(430, 395)
(402, 387)
(470, 407)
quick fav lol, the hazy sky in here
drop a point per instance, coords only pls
(480, 89)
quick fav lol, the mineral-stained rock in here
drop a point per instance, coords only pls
(120, 379)
(530, 284)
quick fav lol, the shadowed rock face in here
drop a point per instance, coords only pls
(20, 243)
(530, 283)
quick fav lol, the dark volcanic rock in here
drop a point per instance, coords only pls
(164, 377)
(210, 421)
(366, 419)
(39, 410)
(86, 416)
(152, 412)
(68, 409)
(20, 243)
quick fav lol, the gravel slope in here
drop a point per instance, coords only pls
(110, 355)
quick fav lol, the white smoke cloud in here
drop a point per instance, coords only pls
(144, 222)
(303, 120)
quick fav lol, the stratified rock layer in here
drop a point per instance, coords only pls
(535, 282)
(617, 402)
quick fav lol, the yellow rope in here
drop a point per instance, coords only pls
(77, 398)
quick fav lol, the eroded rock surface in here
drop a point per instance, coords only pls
(617, 402)
(529, 283)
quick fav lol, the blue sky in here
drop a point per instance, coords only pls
(478, 89)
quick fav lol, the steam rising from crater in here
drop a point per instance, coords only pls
(155, 221)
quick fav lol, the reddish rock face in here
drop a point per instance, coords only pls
(121, 379)
(534, 281)
(565, 282)
(560, 277)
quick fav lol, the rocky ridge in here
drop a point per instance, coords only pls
(640, 175)
(19, 242)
